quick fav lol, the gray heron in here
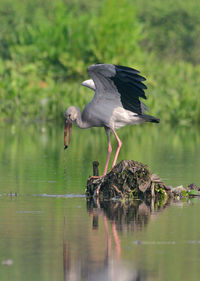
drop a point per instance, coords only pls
(115, 104)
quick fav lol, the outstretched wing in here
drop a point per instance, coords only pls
(119, 82)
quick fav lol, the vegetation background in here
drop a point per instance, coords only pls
(46, 46)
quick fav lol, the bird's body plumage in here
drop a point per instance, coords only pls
(116, 101)
(110, 114)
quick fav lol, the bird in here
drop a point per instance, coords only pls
(116, 103)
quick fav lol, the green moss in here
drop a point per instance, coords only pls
(193, 192)
(184, 193)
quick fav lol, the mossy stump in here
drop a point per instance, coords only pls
(128, 179)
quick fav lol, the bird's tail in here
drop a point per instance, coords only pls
(149, 118)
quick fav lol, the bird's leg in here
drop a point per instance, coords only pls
(118, 148)
(116, 239)
(109, 151)
(107, 235)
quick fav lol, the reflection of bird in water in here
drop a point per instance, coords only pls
(100, 253)
(96, 213)
(113, 266)
(115, 104)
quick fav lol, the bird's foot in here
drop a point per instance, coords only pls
(94, 177)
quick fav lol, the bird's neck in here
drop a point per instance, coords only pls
(80, 122)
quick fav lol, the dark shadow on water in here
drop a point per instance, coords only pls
(103, 261)
(132, 215)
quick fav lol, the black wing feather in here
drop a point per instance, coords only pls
(127, 69)
(129, 85)
(136, 76)
(129, 101)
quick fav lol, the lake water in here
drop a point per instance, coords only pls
(49, 231)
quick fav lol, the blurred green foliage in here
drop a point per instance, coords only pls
(172, 28)
(46, 46)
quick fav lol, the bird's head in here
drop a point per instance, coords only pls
(71, 113)
(70, 116)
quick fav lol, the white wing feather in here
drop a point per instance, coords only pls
(89, 84)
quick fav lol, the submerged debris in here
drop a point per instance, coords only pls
(191, 190)
(131, 179)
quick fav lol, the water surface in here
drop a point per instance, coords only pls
(49, 231)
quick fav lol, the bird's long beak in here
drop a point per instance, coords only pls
(68, 127)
